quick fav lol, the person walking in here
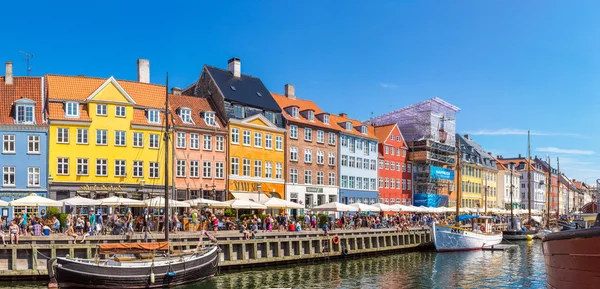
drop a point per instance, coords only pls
(92, 222)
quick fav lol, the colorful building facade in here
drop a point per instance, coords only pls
(395, 173)
(312, 150)
(479, 175)
(23, 139)
(509, 179)
(201, 141)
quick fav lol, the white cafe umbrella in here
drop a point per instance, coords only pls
(365, 208)
(386, 208)
(208, 203)
(80, 201)
(3, 203)
(276, 203)
(34, 200)
(402, 208)
(334, 207)
(244, 204)
(159, 202)
(118, 201)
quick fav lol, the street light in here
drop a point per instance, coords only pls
(258, 187)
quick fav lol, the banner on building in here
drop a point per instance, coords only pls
(430, 200)
(441, 173)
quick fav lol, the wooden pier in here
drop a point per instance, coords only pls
(29, 258)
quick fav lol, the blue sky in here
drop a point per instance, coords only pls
(509, 65)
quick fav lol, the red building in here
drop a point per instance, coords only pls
(395, 172)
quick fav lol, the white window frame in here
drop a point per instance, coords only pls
(138, 139)
(62, 166)
(268, 141)
(308, 156)
(331, 158)
(120, 138)
(207, 169)
(235, 166)
(82, 167)
(219, 143)
(62, 135)
(120, 168)
(320, 157)
(258, 139)
(310, 115)
(258, 169)
(82, 136)
(207, 142)
(120, 111)
(219, 170)
(71, 109)
(186, 115)
(246, 139)
(9, 144)
(180, 168)
(331, 136)
(138, 169)
(308, 177)
(293, 176)
(295, 112)
(100, 140)
(320, 136)
(294, 154)
(9, 177)
(33, 177)
(308, 134)
(33, 144)
(101, 167)
(246, 167)
(325, 118)
(154, 170)
(268, 170)
(194, 169)
(279, 143)
(320, 178)
(154, 116)
(181, 140)
(154, 141)
(101, 109)
(331, 179)
(235, 135)
(24, 114)
(294, 131)
(209, 118)
(278, 170)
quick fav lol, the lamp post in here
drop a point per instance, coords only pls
(206, 188)
(258, 187)
(142, 184)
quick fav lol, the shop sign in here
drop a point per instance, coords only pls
(101, 188)
(314, 190)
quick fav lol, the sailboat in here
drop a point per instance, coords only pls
(140, 268)
(456, 238)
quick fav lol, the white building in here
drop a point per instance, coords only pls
(537, 182)
(509, 181)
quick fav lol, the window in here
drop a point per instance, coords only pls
(293, 132)
(257, 169)
(403, 168)
(33, 144)
(387, 150)
(392, 166)
(331, 138)
(326, 119)
(398, 151)
(219, 170)
(82, 167)
(373, 147)
(257, 139)
(320, 178)
(24, 114)
(238, 111)
(352, 162)
(194, 169)
(63, 166)
(344, 160)
(331, 160)
(209, 118)
(320, 136)
(308, 177)
(293, 154)
(408, 168)
(246, 137)
(404, 153)
(82, 136)
(271, 116)
(404, 184)
(279, 171)
(392, 183)
(398, 166)
(359, 182)
(120, 170)
(294, 176)
(72, 109)
(366, 184)
(246, 167)
(311, 115)
(408, 185)
(153, 116)
(387, 183)
(194, 141)
(180, 169)
(186, 115)
(207, 169)
(307, 134)
(138, 169)
(307, 155)
(331, 179)
(181, 140)
(153, 141)
(138, 139)
(268, 170)
(235, 166)
(8, 178)
(235, 135)
(279, 143)
(219, 143)
(398, 183)
(120, 138)
(101, 137)
(320, 157)
(373, 165)
(120, 111)
(344, 141)
(8, 143)
(101, 167)
(344, 181)
(380, 182)
(351, 182)
(33, 177)
(348, 125)
(207, 142)
(154, 170)
(351, 141)
(359, 163)
(63, 135)
(373, 184)
(366, 164)
(294, 112)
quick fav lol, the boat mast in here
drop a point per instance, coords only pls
(558, 201)
(529, 174)
(548, 188)
(458, 178)
(166, 139)
(511, 194)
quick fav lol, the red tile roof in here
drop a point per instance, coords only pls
(521, 160)
(303, 105)
(383, 132)
(337, 122)
(22, 87)
(197, 105)
(56, 111)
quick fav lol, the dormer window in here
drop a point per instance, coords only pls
(186, 115)
(153, 116)
(326, 119)
(363, 129)
(24, 114)
(271, 116)
(238, 111)
(72, 109)
(311, 115)
(294, 112)
(209, 118)
(348, 125)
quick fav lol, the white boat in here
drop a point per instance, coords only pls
(452, 238)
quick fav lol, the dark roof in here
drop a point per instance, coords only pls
(246, 87)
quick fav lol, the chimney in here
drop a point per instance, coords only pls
(343, 114)
(290, 91)
(467, 136)
(234, 65)
(176, 91)
(143, 70)
(520, 156)
(8, 78)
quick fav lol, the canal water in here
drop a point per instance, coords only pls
(521, 267)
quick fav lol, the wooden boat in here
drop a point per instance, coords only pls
(572, 258)
(453, 238)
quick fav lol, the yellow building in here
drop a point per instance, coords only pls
(479, 175)
(472, 184)
(256, 158)
(105, 137)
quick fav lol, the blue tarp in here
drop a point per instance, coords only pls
(464, 217)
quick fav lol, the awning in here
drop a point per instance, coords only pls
(250, 196)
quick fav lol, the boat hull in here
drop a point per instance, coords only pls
(572, 258)
(517, 235)
(448, 239)
(85, 274)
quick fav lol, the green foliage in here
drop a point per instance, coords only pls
(229, 212)
(323, 219)
(55, 212)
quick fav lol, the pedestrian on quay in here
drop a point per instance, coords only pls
(14, 232)
(92, 221)
(24, 222)
(307, 221)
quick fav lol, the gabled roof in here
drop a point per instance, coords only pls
(522, 160)
(198, 105)
(22, 88)
(502, 164)
(248, 122)
(338, 121)
(383, 132)
(483, 155)
(113, 81)
(249, 90)
(302, 105)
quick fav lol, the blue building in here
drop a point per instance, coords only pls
(23, 140)
(358, 161)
